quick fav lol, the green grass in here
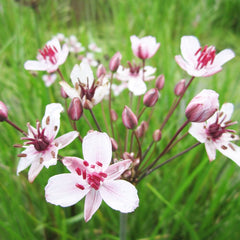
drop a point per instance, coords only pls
(189, 198)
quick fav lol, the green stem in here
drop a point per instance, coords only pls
(123, 226)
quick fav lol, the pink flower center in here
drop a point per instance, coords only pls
(205, 56)
(134, 68)
(39, 140)
(49, 53)
(93, 178)
(216, 129)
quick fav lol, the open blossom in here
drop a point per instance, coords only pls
(215, 135)
(49, 58)
(145, 47)
(41, 148)
(49, 79)
(201, 61)
(89, 91)
(94, 178)
(135, 76)
(94, 48)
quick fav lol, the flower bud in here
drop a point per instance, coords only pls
(157, 135)
(114, 144)
(115, 61)
(63, 93)
(101, 71)
(127, 155)
(75, 109)
(160, 82)
(141, 129)
(3, 112)
(180, 87)
(202, 106)
(151, 97)
(114, 115)
(129, 119)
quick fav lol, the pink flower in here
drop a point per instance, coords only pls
(93, 178)
(42, 147)
(49, 79)
(145, 47)
(200, 61)
(215, 135)
(202, 106)
(89, 91)
(135, 77)
(50, 58)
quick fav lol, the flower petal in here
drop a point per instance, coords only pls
(198, 131)
(65, 139)
(231, 151)
(63, 54)
(61, 189)
(120, 195)
(35, 65)
(223, 57)
(189, 46)
(211, 150)
(137, 86)
(71, 92)
(115, 170)
(34, 170)
(86, 75)
(72, 163)
(227, 109)
(51, 119)
(97, 147)
(93, 201)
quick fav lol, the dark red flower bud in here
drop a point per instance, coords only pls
(75, 109)
(115, 62)
(160, 82)
(63, 93)
(114, 115)
(180, 87)
(101, 71)
(3, 112)
(151, 97)
(157, 135)
(129, 119)
(114, 144)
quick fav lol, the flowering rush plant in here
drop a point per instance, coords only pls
(116, 154)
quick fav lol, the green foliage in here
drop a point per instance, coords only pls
(189, 198)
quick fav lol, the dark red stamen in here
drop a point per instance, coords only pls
(78, 171)
(99, 164)
(206, 57)
(79, 186)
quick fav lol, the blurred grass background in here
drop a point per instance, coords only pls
(187, 199)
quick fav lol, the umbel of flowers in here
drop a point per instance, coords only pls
(113, 161)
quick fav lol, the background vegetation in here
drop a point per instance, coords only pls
(187, 199)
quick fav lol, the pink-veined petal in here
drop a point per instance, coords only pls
(93, 201)
(120, 195)
(223, 57)
(63, 54)
(54, 43)
(97, 147)
(100, 93)
(231, 151)
(61, 189)
(181, 62)
(115, 170)
(211, 150)
(65, 139)
(71, 92)
(198, 131)
(227, 110)
(34, 170)
(75, 74)
(148, 71)
(86, 74)
(189, 46)
(50, 156)
(72, 163)
(35, 65)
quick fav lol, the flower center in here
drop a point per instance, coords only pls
(205, 56)
(93, 177)
(49, 53)
(134, 68)
(39, 140)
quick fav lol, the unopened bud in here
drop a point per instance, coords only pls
(101, 71)
(63, 93)
(157, 135)
(115, 61)
(160, 82)
(202, 106)
(129, 119)
(75, 109)
(127, 155)
(114, 115)
(180, 87)
(114, 144)
(151, 97)
(87, 104)
(3, 112)
(141, 129)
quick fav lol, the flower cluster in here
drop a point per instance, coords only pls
(115, 160)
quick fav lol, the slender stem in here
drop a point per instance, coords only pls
(95, 120)
(86, 119)
(141, 113)
(75, 128)
(131, 142)
(167, 161)
(126, 140)
(139, 145)
(60, 74)
(123, 226)
(110, 105)
(16, 127)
